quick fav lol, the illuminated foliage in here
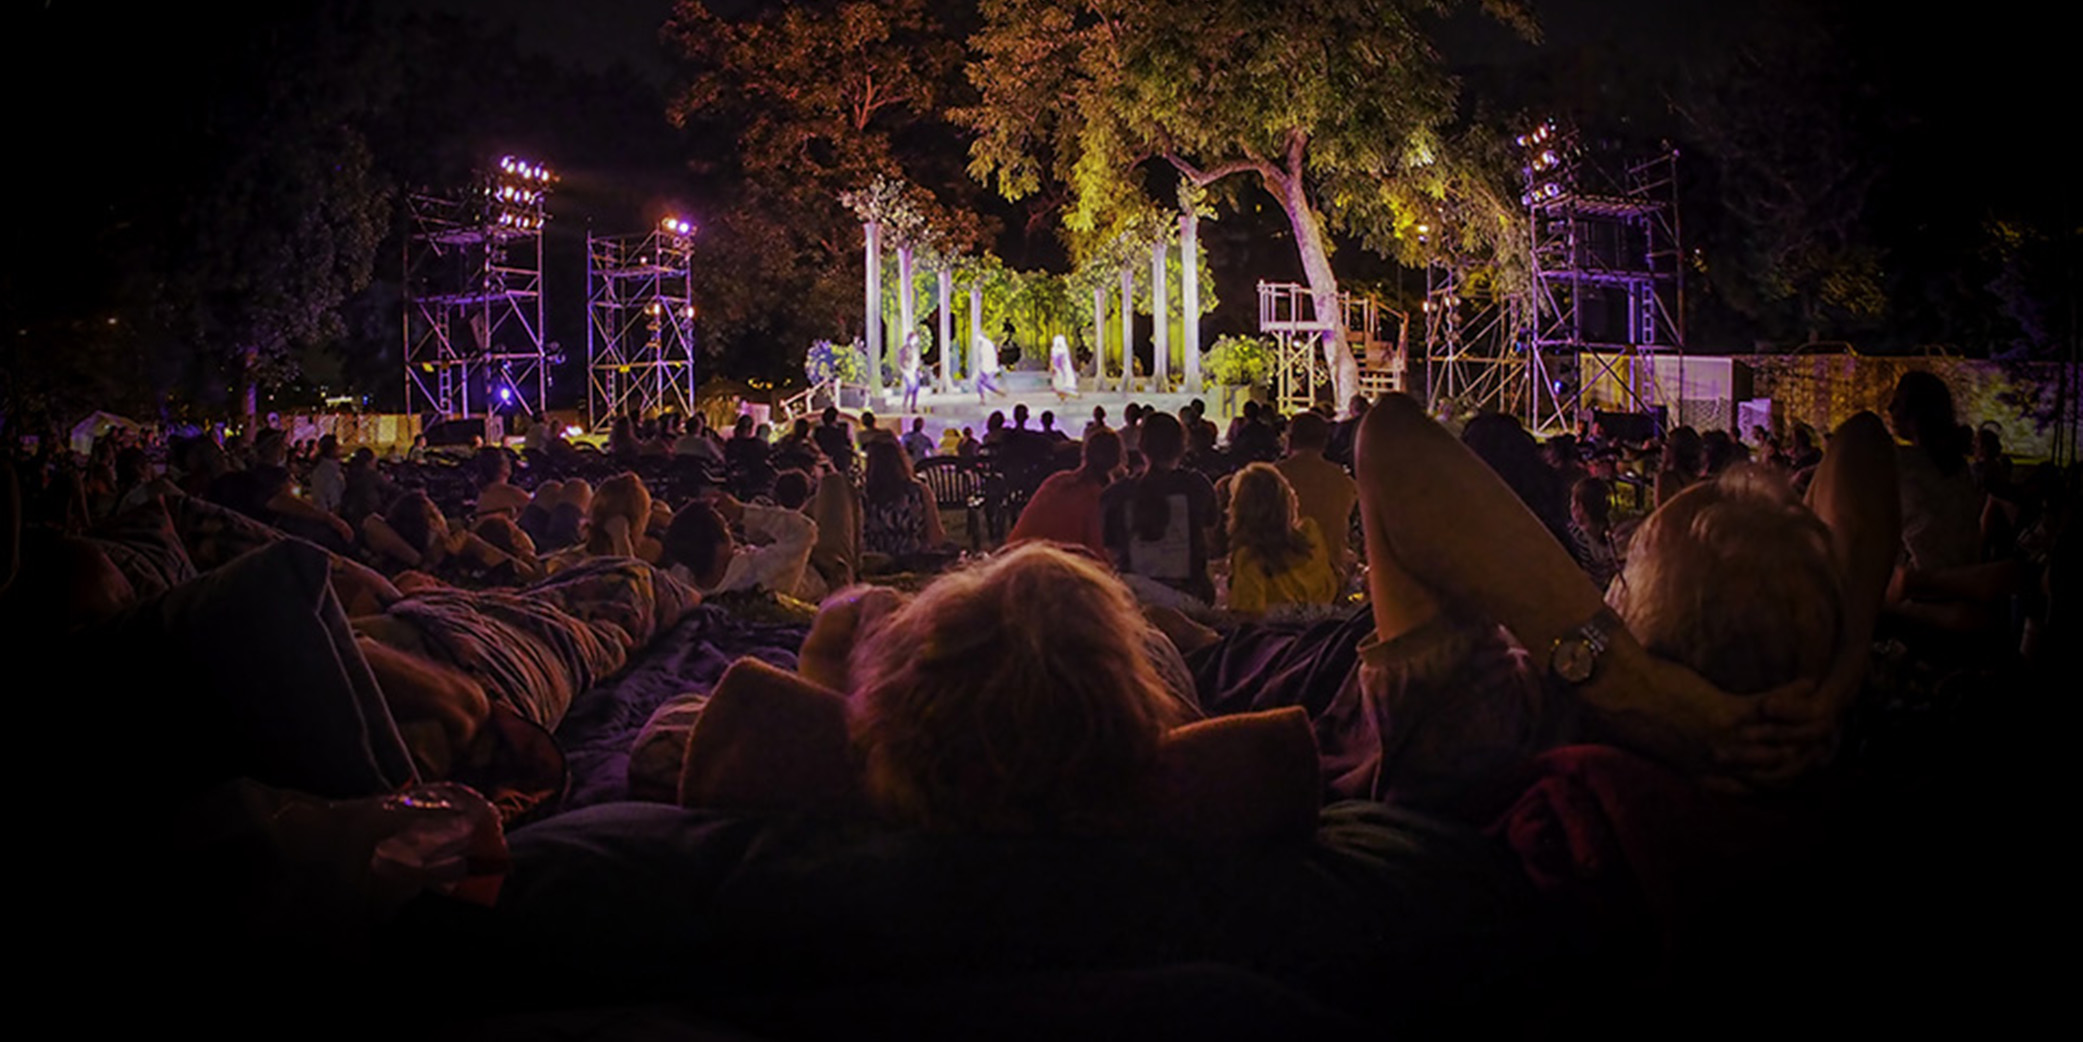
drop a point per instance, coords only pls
(1338, 109)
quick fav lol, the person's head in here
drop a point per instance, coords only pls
(1685, 452)
(506, 536)
(1357, 407)
(742, 427)
(328, 447)
(1163, 440)
(1308, 432)
(888, 475)
(1591, 504)
(1131, 414)
(974, 711)
(1099, 415)
(270, 448)
(364, 458)
(1735, 578)
(918, 425)
(1921, 412)
(492, 465)
(1020, 415)
(867, 420)
(792, 489)
(1102, 456)
(831, 416)
(622, 496)
(1263, 515)
(700, 541)
(1048, 420)
(417, 521)
(1252, 411)
(994, 422)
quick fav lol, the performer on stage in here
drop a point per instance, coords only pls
(908, 366)
(986, 365)
(1063, 372)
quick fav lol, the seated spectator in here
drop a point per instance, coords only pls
(263, 492)
(1066, 507)
(898, 515)
(1592, 541)
(1324, 492)
(618, 523)
(918, 444)
(1451, 555)
(699, 443)
(700, 549)
(414, 536)
(328, 481)
(1157, 523)
(969, 717)
(365, 489)
(1277, 556)
(832, 439)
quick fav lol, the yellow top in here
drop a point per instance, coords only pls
(1309, 580)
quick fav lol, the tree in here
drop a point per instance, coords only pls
(820, 99)
(1338, 109)
(281, 224)
(1777, 119)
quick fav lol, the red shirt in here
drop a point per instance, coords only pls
(1065, 509)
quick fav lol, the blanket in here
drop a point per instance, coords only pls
(597, 735)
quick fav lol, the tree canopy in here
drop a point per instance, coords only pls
(1341, 110)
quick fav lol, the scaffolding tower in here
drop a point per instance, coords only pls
(1606, 273)
(640, 350)
(1474, 357)
(473, 328)
(1287, 311)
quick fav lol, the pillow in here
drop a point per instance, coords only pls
(248, 671)
(142, 544)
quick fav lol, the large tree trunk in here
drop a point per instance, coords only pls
(1323, 288)
(947, 329)
(249, 390)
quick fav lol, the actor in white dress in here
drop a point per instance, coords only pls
(986, 365)
(908, 367)
(1063, 372)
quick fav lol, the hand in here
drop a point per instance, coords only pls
(841, 621)
(1749, 742)
(345, 530)
(728, 507)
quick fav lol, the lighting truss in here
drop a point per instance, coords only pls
(473, 327)
(1606, 273)
(640, 346)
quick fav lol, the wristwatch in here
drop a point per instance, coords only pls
(1575, 655)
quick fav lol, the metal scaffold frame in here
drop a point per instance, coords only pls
(1473, 361)
(1601, 236)
(640, 349)
(473, 325)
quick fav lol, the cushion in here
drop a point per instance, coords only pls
(248, 671)
(142, 544)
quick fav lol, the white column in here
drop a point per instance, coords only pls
(1160, 323)
(1099, 337)
(1190, 296)
(1128, 329)
(907, 313)
(873, 340)
(947, 327)
(976, 323)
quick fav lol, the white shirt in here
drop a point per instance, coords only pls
(774, 555)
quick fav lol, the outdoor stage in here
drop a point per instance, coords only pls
(959, 408)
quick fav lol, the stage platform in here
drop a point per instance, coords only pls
(959, 409)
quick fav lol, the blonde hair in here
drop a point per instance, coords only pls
(623, 496)
(1264, 517)
(1735, 578)
(1013, 696)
